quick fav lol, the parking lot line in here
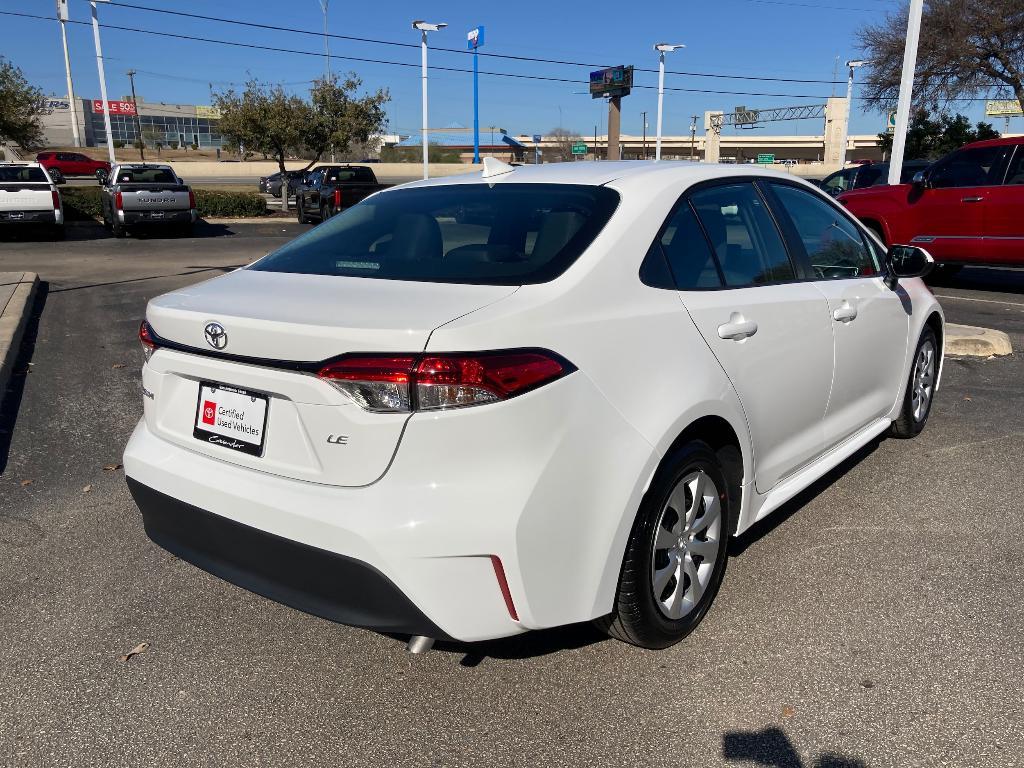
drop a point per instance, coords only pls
(980, 301)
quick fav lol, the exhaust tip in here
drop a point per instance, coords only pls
(419, 644)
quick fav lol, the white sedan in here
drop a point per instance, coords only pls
(476, 406)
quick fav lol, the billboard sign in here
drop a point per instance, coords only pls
(209, 112)
(116, 107)
(1003, 108)
(475, 38)
(611, 81)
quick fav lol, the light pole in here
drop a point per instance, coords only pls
(425, 27)
(474, 40)
(662, 49)
(103, 78)
(852, 65)
(693, 137)
(138, 123)
(62, 15)
(327, 42)
(644, 116)
(899, 138)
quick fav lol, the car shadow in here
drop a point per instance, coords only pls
(10, 399)
(762, 528)
(981, 279)
(772, 747)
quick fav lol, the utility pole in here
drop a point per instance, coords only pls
(852, 65)
(62, 15)
(899, 139)
(662, 49)
(103, 78)
(644, 116)
(138, 123)
(693, 137)
(327, 55)
(425, 27)
(474, 39)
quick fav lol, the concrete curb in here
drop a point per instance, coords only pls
(13, 319)
(969, 341)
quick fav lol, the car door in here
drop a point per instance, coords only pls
(1004, 215)
(870, 321)
(769, 331)
(949, 212)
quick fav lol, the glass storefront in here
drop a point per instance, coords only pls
(184, 129)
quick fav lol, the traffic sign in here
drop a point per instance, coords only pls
(475, 38)
(537, 138)
(766, 159)
(891, 123)
(579, 148)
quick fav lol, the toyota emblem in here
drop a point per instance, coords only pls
(216, 336)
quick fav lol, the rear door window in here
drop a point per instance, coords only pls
(743, 235)
(505, 234)
(687, 251)
(977, 167)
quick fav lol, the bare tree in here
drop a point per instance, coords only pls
(563, 140)
(967, 49)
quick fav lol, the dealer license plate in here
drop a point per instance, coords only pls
(231, 418)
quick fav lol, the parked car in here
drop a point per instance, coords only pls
(73, 164)
(272, 184)
(965, 208)
(329, 189)
(476, 406)
(868, 175)
(28, 196)
(145, 194)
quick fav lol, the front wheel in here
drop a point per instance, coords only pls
(917, 403)
(677, 551)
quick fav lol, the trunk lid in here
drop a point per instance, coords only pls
(25, 196)
(154, 197)
(312, 431)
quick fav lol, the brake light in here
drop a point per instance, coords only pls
(337, 198)
(146, 337)
(118, 201)
(404, 383)
(191, 199)
(56, 199)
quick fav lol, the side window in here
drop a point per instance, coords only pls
(743, 235)
(968, 168)
(867, 177)
(687, 252)
(839, 181)
(1015, 175)
(833, 243)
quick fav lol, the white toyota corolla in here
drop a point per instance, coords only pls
(471, 407)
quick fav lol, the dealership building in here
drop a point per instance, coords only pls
(185, 124)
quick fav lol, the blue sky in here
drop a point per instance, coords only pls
(764, 38)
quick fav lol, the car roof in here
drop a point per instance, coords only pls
(21, 163)
(1003, 141)
(604, 172)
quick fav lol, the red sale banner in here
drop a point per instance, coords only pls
(116, 107)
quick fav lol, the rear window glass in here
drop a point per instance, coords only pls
(506, 234)
(145, 176)
(23, 173)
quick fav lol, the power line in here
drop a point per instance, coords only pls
(511, 57)
(513, 75)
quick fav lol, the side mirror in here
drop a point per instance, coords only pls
(920, 180)
(907, 261)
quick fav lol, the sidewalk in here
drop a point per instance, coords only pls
(17, 290)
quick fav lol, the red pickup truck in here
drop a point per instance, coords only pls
(967, 208)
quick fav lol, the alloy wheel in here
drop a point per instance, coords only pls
(923, 381)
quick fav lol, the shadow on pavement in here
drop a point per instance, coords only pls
(10, 400)
(773, 748)
(762, 528)
(981, 279)
(190, 271)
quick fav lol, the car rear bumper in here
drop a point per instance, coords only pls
(130, 218)
(308, 578)
(49, 216)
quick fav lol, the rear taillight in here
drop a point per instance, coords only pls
(337, 198)
(394, 383)
(191, 199)
(118, 201)
(56, 199)
(146, 337)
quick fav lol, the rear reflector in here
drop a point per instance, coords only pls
(435, 382)
(191, 199)
(146, 339)
(337, 198)
(499, 573)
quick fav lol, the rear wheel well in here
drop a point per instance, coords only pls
(935, 323)
(721, 437)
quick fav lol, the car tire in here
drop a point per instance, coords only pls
(57, 232)
(658, 601)
(57, 177)
(300, 212)
(920, 394)
(325, 212)
(117, 229)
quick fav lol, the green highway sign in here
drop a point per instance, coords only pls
(579, 148)
(766, 159)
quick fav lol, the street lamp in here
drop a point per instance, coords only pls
(662, 49)
(425, 27)
(851, 65)
(103, 79)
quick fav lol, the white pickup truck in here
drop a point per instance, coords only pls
(29, 196)
(138, 194)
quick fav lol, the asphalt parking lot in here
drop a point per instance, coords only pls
(876, 620)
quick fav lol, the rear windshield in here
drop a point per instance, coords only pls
(508, 234)
(351, 174)
(146, 176)
(22, 173)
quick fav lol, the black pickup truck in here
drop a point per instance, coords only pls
(331, 188)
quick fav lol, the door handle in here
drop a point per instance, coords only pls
(845, 314)
(971, 199)
(737, 329)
